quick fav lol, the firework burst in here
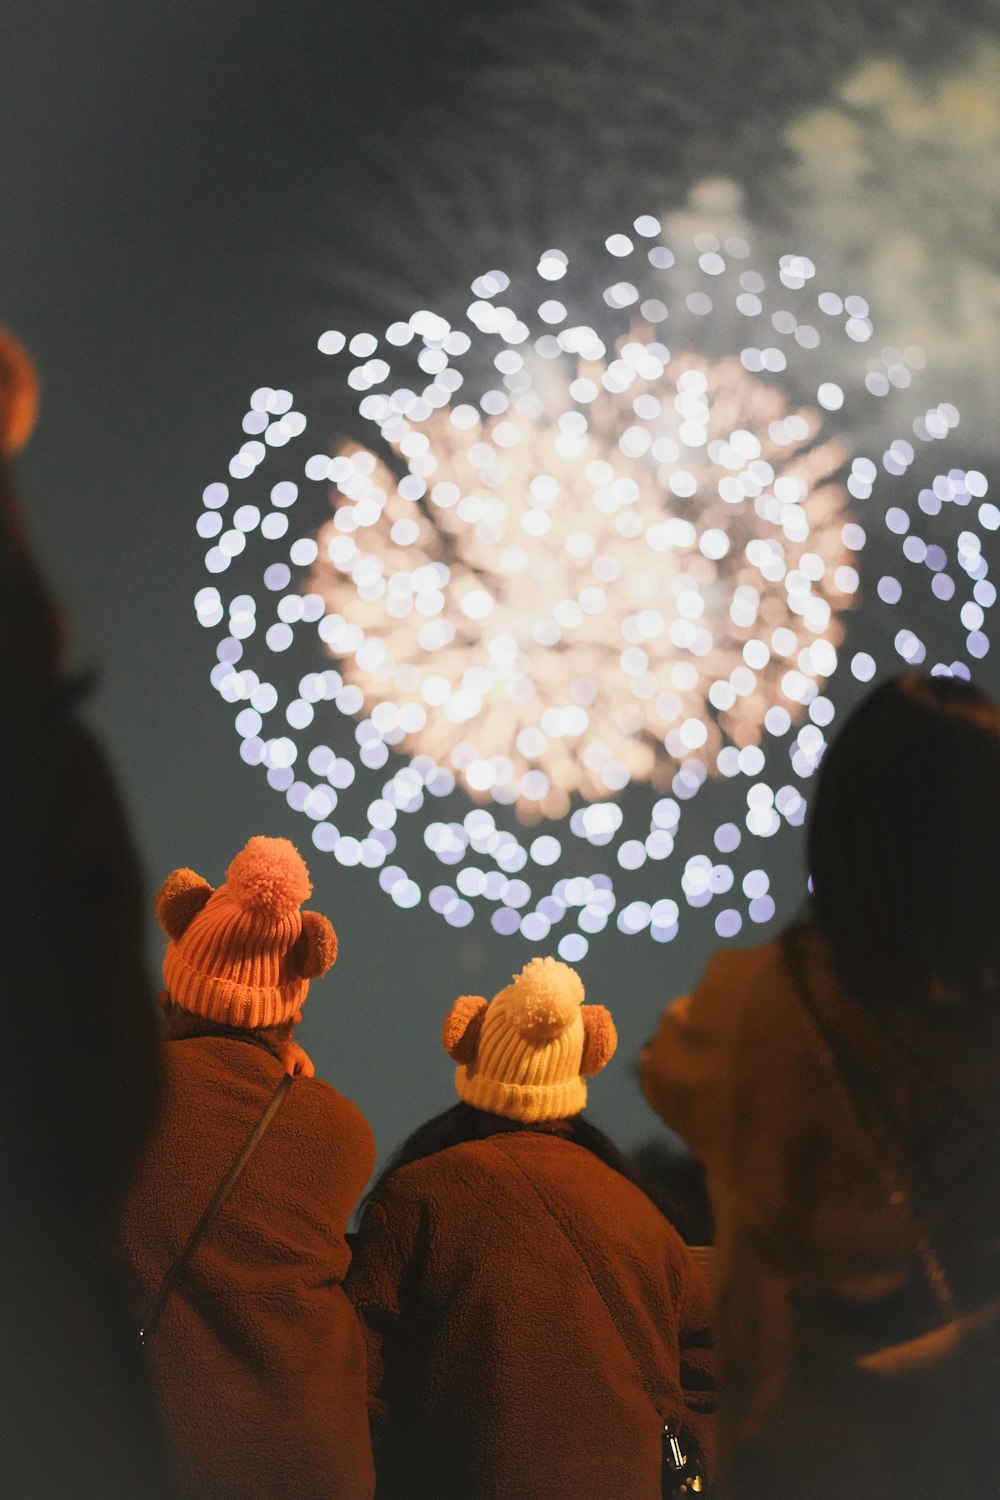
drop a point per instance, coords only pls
(559, 633)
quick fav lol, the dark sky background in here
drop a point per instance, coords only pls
(192, 191)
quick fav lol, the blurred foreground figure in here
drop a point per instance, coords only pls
(256, 1354)
(78, 1064)
(532, 1319)
(842, 1087)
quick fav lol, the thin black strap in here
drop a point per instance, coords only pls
(973, 1396)
(674, 1456)
(863, 1105)
(152, 1314)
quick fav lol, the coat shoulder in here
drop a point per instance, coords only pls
(320, 1101)
(522, 1173)
(227, 1084)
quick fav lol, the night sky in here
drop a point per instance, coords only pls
(191, 193)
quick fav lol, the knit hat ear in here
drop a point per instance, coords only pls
(315, 949)
(179, 900)
(600, 1038)
(462, 1025)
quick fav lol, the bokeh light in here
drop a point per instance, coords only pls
(604, 569)
(557, 637)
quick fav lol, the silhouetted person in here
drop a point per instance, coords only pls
(842, 1087)
(78, 1064)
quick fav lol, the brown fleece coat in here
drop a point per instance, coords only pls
(818, 1287)
(495, 1370)
(258, 1360)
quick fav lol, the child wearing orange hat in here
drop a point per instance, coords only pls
(234, 1231)
(534, 1325)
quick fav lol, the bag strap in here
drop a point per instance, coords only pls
(151, 1317)
(674, 1454)
(867, 1111)
(974, 1397)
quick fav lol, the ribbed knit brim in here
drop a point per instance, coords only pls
(522, 1101)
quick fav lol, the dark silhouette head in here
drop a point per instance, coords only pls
(904, 844)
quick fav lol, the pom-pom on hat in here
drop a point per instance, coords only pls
(244, 954)
(524, 1054)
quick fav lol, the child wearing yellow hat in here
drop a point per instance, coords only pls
(532, 1320)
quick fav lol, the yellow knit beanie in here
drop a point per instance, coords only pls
(244, 954)
(524, 1054)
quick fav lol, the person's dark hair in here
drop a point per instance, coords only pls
(904, 844)
(463, 1123)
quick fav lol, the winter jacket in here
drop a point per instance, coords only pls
(258, 1360)
(494, 1365)
(819, 1289)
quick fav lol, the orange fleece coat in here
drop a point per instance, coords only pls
(818, 1288)
(258, 1361)
(495, 1372)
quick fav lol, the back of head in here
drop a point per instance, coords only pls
(904, 844)
(526, 1053)
(243, 954)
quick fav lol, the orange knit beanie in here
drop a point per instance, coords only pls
(244, 954)
(18, 393)
(524, 1054)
